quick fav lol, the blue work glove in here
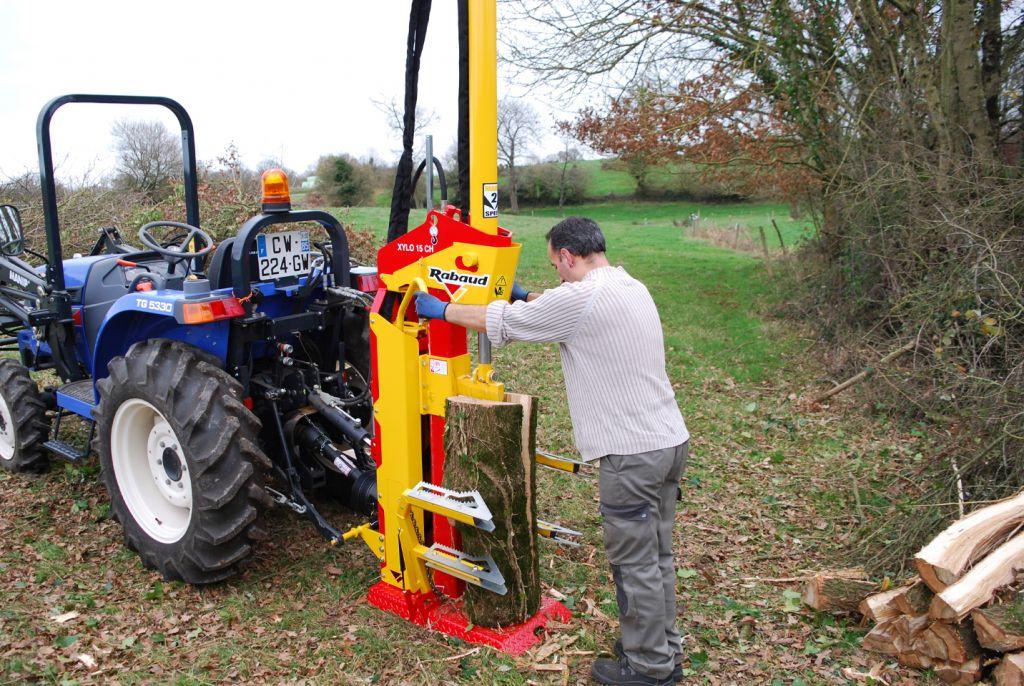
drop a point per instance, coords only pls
(429, 307)
(519, 293)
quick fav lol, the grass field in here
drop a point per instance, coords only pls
(767, 495)
(633, 213)
(609, 188)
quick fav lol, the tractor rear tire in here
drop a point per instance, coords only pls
(23, 426)
(180, 459)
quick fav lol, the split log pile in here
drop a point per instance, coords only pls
(963, 616)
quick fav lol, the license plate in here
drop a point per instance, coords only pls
(281, 255)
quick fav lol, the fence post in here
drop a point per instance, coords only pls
(779, 234)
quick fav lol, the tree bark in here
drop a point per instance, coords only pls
(489, 447)
(513, 189)
(926, 73)
(992, 60)
(967, 94)
(836, 592)
(561, 181)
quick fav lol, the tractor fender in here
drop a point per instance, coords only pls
(136, 317)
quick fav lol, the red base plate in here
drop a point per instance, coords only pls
(448, 617)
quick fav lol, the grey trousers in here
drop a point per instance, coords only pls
(638, 503)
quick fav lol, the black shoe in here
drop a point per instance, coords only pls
(677, 670)
(620, 673)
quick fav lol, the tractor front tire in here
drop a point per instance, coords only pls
(23, 426)
(180, 460)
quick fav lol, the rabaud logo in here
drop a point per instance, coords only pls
(455, 281)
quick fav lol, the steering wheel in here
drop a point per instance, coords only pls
(151, 242)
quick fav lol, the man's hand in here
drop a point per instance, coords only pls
(429, 307)
(519, 293)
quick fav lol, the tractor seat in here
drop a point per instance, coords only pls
(106, 282)
(218, 271)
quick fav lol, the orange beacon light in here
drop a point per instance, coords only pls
(276, 196)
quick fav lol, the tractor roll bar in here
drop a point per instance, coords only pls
(55, 265)
(241, 278)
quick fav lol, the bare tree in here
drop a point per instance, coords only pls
(564, 157)
(148, 156)
(394, 112)
(518, 128)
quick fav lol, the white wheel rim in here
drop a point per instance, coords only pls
(6, 431)
(151, 471)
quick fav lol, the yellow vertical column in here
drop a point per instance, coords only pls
(483, 115)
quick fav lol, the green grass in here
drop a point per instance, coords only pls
(750, 215)
(618, 214)
(608, 185)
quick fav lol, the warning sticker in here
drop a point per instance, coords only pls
(438, 367)
(490, 200)
(499, 287)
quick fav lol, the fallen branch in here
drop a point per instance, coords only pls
(472, 651)
(868, 371)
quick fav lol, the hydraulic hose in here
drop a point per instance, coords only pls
(348, 425)
(361, 489)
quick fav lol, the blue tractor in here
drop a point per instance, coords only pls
(214, 379)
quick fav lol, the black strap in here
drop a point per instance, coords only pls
(462, 202)
(442, 180)
(419, 16)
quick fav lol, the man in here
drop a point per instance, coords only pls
(624, 413)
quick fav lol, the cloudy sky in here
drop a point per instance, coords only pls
(288, 81)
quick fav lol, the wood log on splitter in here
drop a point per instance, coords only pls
(490, 447)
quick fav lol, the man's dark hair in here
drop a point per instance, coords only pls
(579, 235)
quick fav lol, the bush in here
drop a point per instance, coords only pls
(342, 181)
(544, 184)
(912, 252)
(228, 195)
